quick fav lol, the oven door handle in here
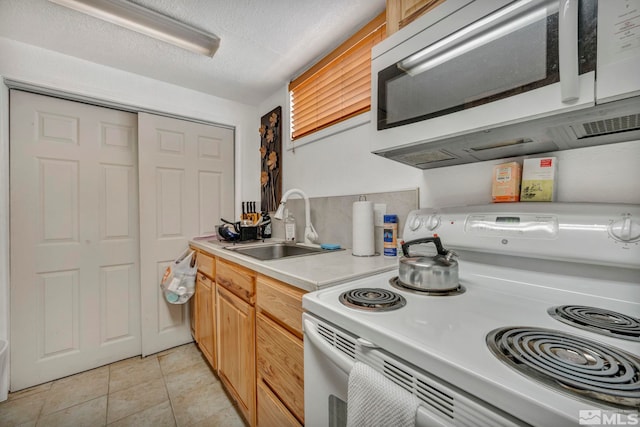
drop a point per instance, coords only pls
(342, 362)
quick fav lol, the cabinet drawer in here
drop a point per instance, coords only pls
(205, 264)
(271, 412)
(280, 362)
(238, 280)
(281, 301)
(205, 280)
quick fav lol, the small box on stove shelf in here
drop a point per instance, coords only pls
(506, 182)
(539, 180)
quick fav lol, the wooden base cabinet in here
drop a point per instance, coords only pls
(236, 335)
(280, 354)
(205, 318)
(202, 308)
(271, 411)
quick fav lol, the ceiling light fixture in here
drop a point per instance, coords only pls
(147, 22)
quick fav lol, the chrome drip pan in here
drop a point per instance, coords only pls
(598, 320)
(570, 364)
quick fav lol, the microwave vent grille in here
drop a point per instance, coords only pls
(612, 125)
(426, 157)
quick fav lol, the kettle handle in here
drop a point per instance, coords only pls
(435, 240)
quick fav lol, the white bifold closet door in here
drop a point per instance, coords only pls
(101, 202)
(75, 292)
(186, 186)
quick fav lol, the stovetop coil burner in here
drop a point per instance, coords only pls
(598, 320)
(570, 364)
(372, 299)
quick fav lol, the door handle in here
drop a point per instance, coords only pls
(568, 50)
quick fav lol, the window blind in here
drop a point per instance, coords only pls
(339, 86)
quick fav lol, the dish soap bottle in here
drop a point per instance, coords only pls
(266, 225)
(289, 227)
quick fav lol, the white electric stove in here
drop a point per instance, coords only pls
(500, 352)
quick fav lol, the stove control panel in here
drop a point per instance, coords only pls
(625, 229)
(429, 222)
(603, 234)
(523, 226)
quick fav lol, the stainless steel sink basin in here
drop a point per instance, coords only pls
(267, 252)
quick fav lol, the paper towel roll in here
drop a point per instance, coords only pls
(363, 229)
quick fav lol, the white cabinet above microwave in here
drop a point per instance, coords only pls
(487, 79)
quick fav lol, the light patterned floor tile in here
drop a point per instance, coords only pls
(180, 358)
(229, 417)
(135, 399)
(174, 387)
(42, 388)
(88, 414)
(184, 380)
(159, 415)
(77, 389)
(199, 404)
(19, 411)
(130, 372)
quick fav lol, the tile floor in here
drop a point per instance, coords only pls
(172, 388)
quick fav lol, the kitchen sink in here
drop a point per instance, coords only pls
(267, 252)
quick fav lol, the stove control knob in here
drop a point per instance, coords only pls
(415, 222)
(432, 222)
(625, 229)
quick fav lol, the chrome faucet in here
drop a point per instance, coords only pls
(310, 235)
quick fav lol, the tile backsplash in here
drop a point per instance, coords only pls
(332, 216)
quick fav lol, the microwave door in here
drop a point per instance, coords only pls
(502, 69)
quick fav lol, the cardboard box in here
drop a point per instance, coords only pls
(505, 186)
(539, 180)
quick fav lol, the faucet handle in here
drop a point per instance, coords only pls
(311, 236)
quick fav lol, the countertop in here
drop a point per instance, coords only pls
(309, 272)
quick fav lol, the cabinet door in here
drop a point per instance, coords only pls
(281, 363)
(402, 12)
(193, 315)
(236, 354)
(205, 319)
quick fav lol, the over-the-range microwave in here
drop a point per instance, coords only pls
(491, 79)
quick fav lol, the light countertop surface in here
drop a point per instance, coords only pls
(309, 272)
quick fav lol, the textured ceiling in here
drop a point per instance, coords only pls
(264, 43)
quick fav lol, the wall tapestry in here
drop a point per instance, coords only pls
(270, 158)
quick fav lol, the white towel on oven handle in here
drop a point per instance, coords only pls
(373, 400)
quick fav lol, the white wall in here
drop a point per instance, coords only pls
(25, 63)
(603, 174)
(342, 164)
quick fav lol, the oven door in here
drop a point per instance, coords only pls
(458, 75)
(326, 373)
(329, 355)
